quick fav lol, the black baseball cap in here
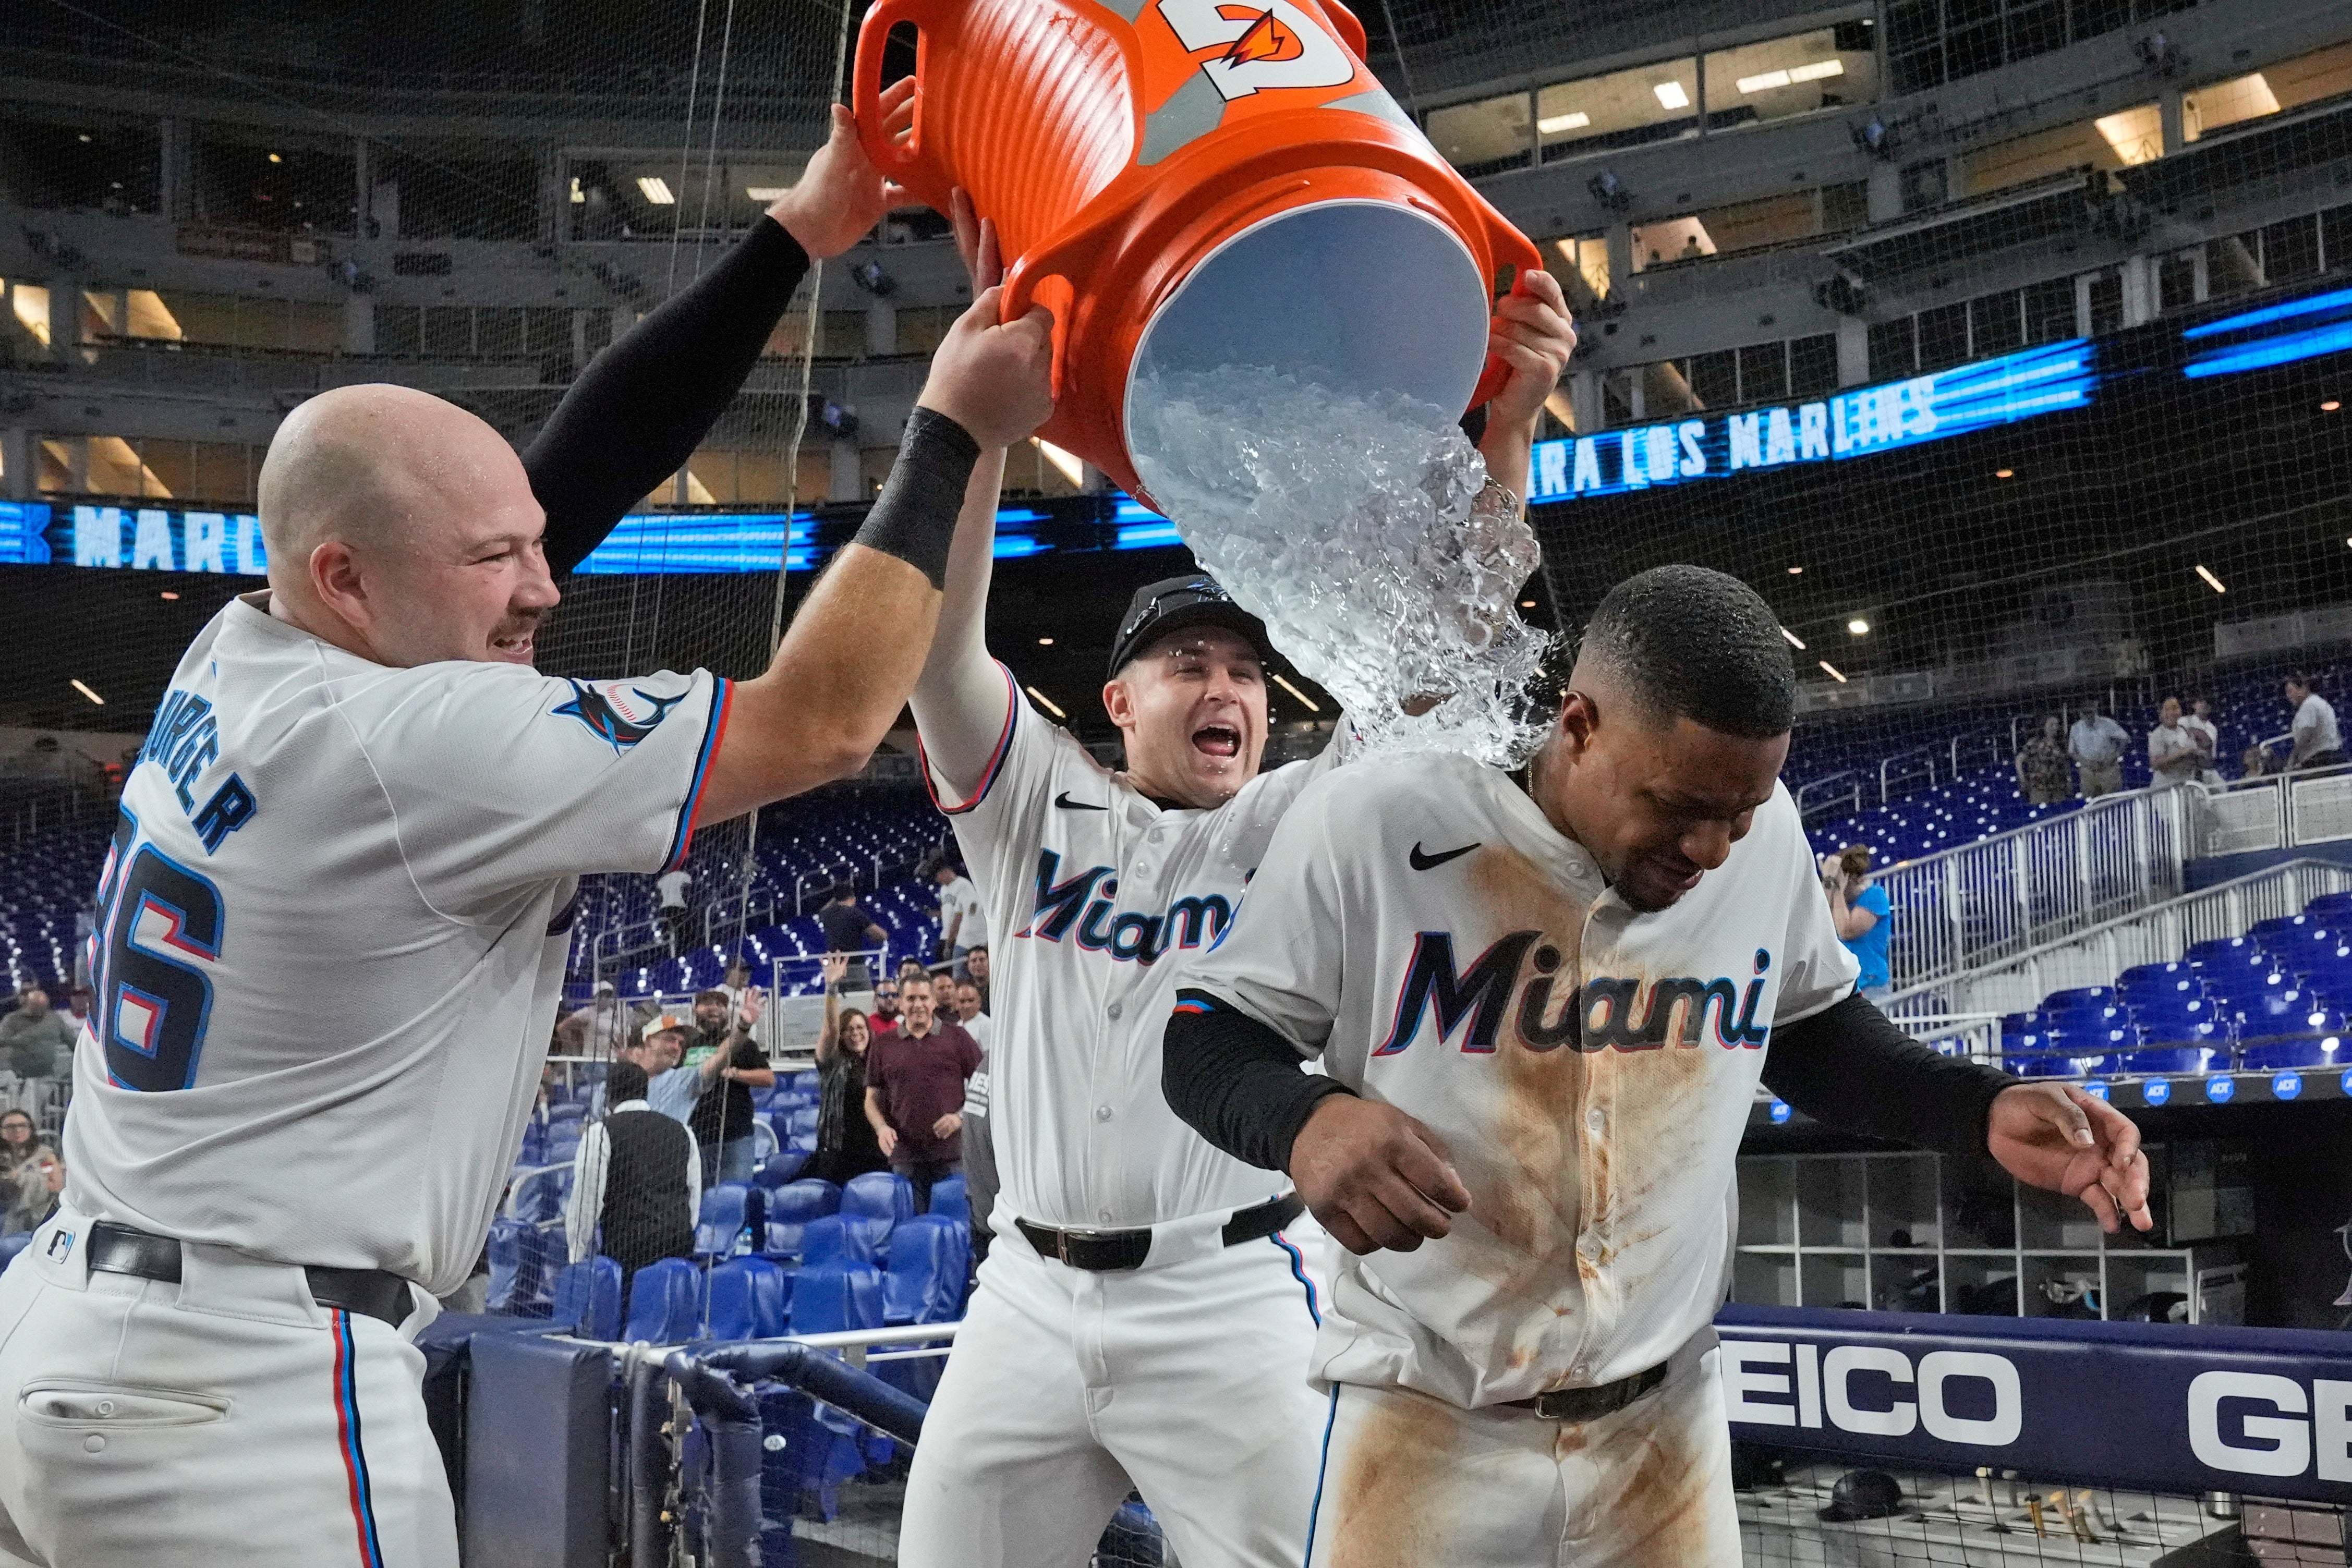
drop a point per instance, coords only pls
(1175, 602)
(1863, 1494)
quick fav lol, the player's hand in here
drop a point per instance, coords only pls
(996, 381)
(843, 195)
(888, 1139)
(975, 242)
(947, 1127)
(1532, 334)
(2056, 1137)
(1374, 1175)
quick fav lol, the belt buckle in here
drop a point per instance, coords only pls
(1064, 1239)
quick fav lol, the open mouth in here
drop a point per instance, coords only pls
(515, 645)
(1217, 740)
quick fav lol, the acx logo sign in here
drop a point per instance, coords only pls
(1258, 47)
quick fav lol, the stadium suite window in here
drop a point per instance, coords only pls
(439, 193)
(2116, 140)
(1803, 73)
(1482, 137)
(102, 165)
(2273, 89)
(1647, 103)
(118, 467)
(1930, 42)
(1750, 225)
(1799, 368)
(279, 186)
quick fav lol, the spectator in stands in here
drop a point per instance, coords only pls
(2044, 774)
(85, 926)
(2317, 742)
(20, 1145)
(737, 980)
(849, 929)
(2256, 762)
(975, 969)
(728, 1064)
(963, 924)
(1863, 915)
(884, 1019)
(908, 968)
(638, 1174)
(847, 1146)
(77, 1009)
(672, 1088)
(978, 1148)
(677, 918)
(35, 1199)
(915, 1088)
(596, 1030)
(2097, 744)
(969, 1013)
(2198, 722)
(37, 1042)
(2174, 756)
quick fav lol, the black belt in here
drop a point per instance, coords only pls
(124, 1249)
(1591, 1404)
(1109, 1252)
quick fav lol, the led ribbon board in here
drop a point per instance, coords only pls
(1858, 423)
(2274, 335)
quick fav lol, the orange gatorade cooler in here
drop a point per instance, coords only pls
(1193, 183)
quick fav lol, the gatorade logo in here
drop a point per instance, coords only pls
(1259, 46)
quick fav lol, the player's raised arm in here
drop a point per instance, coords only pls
(642, 406)
(1531, 333)
(850, 659)
(961, 698)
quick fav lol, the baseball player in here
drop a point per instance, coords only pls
(358, 784)
(1544, 1003)
(1143, 1317)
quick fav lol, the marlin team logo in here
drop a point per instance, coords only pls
(611, 721)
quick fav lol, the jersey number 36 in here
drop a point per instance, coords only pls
(159, 929)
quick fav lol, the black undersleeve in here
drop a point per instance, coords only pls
(1237, 1083)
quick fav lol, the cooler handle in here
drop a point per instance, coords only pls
(1351, 31)
(905, 164)
(1513, 250)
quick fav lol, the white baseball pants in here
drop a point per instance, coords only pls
(228, 1421)
(1185, 1381)
(1411, 1481)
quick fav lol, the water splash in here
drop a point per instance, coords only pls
(1347, 527)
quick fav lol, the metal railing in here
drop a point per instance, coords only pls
(1965, 746)
(1961, 908)
(2279, 811)
(2095, 955)
(1837, 789)
(1907, 765)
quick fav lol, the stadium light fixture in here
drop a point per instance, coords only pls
(1045, 642)
(1832, 670)
(656, 190)
(167, 593)
(1527, 604)
(1858, 627)
(1553, 124)
(2211, 580)
(1795, 74)
(2330, 406)
(1049, 705)
(1796, 571)
(277, 157)
(765, 193)
(76, 683)
(1794, 640)
(579, 196)
(1309, 703)
(1672, 95)
(2004, 472)
(83, 137)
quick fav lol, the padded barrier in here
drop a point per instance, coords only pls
(538, 1445)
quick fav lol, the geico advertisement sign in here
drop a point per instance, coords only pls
(2244, 1423)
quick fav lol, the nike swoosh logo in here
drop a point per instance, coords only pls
(1421, 861)
(1066, 804)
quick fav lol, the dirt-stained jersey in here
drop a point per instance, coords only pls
(331, 937)
(1421, 926)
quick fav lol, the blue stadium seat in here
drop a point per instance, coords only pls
(952, 1198)
(2331, 906)
(828, 1298)
(778, 1170)
(804, 1200)
(832, 1238)
(807, 1081)
(2171, 1059)
(801, 1131)
(747, 1300)
(520, 1280)
(931, 1257)
(884, 1195)
(665, 1302)
(588, 1296)
(2311, 1051)
(720, 1228)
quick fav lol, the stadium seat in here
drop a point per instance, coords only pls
(884, 1195)
(2311, 1051)
(952, 1198)
(747, 1298)
(832, 1238)
(588, 1296)
(801, 1132)
(520, 1283)
(2331, 906)
(780, 1168)
(930, 1257)
(720, 1230)
(2169, 1059)
(665, 1302)
(804, 1200)
(828, 1298)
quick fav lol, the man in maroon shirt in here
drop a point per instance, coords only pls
(914, 1089)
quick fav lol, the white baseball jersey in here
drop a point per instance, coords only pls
(961, 897)
(1419, 925)
(332, 936)
(1106, 902)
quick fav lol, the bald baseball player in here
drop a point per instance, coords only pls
(1142, 1320)
(357, 783)
(1544, 1003)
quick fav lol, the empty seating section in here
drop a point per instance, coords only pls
(2277, 996)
